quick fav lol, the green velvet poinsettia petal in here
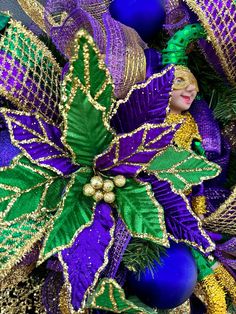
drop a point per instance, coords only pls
(182, 168)
(140, 211)
(109, 296)
(29, 196)
(27, 189)
(87, 92)
(74, 214)
(19, 237)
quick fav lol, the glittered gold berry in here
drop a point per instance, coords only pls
(108, 185)
(96, 182)
(88, 190)
(98, 196)
(120, 181)
(109, 197)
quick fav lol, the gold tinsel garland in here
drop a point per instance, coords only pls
(188, 130)
(214, 295)
(199, 205)
(226, 281)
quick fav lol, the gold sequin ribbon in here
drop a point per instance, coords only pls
(226, 281)
(187, 132)
(214, 295)
(199, 204)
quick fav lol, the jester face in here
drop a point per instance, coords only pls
(185, 89)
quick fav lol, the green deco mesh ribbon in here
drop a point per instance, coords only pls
(175, 53)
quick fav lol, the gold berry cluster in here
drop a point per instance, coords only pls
(102, 189)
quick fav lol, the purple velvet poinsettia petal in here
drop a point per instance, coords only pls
(87, 256)
(129, 153)
(180, 221)
(146, 103)
(40, 141)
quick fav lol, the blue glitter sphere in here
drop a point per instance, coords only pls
(171, 284)
(145, 16)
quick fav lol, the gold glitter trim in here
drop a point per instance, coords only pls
(188, 130)
(96, 277)
(199, 204)
(226, 281)
(220, 39)
(215, 296)
(224, 218)
(35, 11)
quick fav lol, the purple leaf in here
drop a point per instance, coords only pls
(146, 103)
(130, 153)
(87, 256)
(40, 141)
(181, 223)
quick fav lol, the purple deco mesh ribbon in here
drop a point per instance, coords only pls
(121, 45)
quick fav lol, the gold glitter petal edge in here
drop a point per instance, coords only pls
(35, 11)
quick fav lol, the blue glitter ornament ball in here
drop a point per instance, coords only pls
(145, 16)
(173, 281)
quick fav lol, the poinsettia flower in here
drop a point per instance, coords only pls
(43, 192)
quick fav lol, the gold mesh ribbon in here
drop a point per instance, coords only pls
(224, 218)
(199, 205)
(214, 295)
(219, 20)
(226, 281)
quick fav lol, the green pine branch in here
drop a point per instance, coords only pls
(141, 254)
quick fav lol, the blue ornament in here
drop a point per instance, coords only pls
(145, 16)
(171, 284)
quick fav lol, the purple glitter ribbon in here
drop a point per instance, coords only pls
(86, 258)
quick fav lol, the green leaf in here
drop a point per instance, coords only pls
(27, 189)
(140, 211)
(4, 19)
(18, 238)
(182, 168)
(87, 95)
(74, 214)
(109, 296)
